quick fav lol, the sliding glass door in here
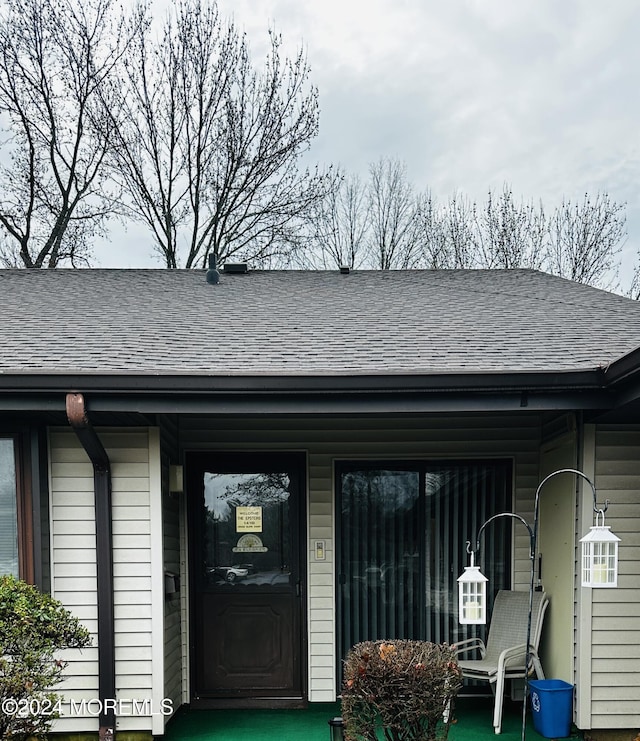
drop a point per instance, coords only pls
(402, 532)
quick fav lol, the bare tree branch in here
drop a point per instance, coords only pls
(634, 289)
(586, 239)
(209, 147)
(54, 57)
(510, 235)
(393, 209)
(401, 230)
(338, 227)
(460, 237)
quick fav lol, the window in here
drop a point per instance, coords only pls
(16, 557)
(246, 518)
(403, 528)
(8, 509)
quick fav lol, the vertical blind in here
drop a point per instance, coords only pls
(402, 530)
(8, 509)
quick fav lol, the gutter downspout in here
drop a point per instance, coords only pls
(79, 421)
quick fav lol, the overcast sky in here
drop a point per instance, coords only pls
(472, 94)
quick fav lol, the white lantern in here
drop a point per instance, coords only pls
(472, 596)
(600, 556)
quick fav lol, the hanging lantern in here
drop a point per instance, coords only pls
(600, 556)
(472, 596)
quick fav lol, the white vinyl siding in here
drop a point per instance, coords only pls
(613, 624)
(134, 456)
(327, 439)
(73, 564)
(556, 554)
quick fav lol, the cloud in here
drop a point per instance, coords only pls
(498, 86)
(472, 94)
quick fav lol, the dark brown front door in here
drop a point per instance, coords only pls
(246, 520)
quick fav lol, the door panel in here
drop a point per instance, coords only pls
(246, 565)
(253, 647)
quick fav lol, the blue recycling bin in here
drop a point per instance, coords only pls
(552, 707)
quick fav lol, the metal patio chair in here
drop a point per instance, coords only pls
(503, 656)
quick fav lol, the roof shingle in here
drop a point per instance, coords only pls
(155, 322)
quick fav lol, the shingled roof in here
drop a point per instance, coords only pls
(303, 323)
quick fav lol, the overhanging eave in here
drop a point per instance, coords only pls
(278, 404)
(237, 394)
(127, 383)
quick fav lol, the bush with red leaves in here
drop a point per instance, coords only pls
(404, 688)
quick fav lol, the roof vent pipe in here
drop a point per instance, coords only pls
(213, 276)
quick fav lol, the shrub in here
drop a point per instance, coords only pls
(406, 688)
(33, 628)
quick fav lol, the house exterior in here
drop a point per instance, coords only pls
(232, 482)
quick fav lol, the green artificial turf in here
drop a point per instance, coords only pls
(473, 723)
(310, 724)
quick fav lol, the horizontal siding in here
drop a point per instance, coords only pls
(327, 439)
(132, 580)
(73, 551)
(74, 564)
(615, 613)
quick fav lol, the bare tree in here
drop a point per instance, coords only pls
(393, 209)
(586, 239)
(54, 57)
(209, 147)
(447, 233)
(370, 224)
(460, 237)
(432, 234)
(496, 234)
(9, 253)
(383, 224)
(578, 241)
(337, 227)
(510, 235)
(633, 291)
